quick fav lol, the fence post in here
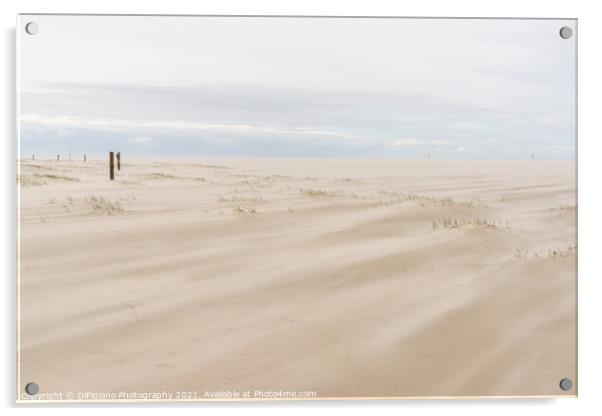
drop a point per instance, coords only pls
(111, 166)
(118, 160)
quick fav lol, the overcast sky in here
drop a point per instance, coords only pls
(297, 87)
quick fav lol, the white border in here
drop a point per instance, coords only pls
(590, 196)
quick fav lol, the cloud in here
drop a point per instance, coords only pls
(466, 125)
(77, 122)
(140, 139)
(263, 120)
(503, 78)
(400, 143)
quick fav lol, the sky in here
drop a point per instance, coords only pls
(459, 89)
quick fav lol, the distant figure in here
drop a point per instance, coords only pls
(33, 157)
(84, 158)
(57, 158)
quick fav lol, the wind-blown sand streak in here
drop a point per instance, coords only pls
(347, 278)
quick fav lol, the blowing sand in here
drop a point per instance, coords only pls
(343, 278)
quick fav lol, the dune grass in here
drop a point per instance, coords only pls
(39, 179)
(427, 201)
(565, 207)
(237, 209)
(557, 252)
(160, 175)
(54, 177)
(103, 204)
(236, 198)
(450, 223)
(316, 193)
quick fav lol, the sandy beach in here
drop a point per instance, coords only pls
(346, 278)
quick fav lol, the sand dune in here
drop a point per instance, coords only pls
(343, 278)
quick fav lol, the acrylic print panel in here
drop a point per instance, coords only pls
(295, 207)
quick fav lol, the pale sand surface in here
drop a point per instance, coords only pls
(347, 278)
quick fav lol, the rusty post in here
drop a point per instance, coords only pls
(118, 160)
(111, 166)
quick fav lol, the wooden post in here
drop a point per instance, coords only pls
(111, 166)
(118, 160)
